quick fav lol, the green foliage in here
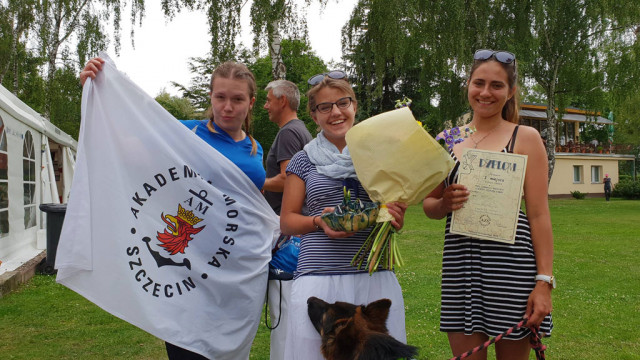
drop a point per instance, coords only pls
(19, 68)
(179, 107)
(61, 36)
(422, 49)
(578, 195)
(201, 68)
(627, 189)
(66, 96)
(627, 105)
(301, 63)
(590, 131)
(267, 17)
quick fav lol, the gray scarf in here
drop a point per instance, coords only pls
(329, 161)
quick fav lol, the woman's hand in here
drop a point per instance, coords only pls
(454, 197)
(332, 234)
(539, 304)
(93, 67)
(397, 210)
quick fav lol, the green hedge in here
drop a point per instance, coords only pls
(627, 189)
(578, 195)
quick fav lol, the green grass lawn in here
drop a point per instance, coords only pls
(596, 304)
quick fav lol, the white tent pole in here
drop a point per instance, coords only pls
(68, 168)
(50, 189)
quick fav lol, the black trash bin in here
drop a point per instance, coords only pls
(55, 218)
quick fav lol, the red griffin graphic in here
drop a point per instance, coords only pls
(179, 230)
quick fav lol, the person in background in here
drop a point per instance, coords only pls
(315, 179)
(283, 99)
(607, 186)
(228, 130)
(489, 286)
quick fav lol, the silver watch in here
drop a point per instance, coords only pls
(551, 280)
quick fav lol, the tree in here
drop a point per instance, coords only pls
(65, 98)
(422, 49)
(268, 19)
(60, 23)
(197, 92)
(301, 63)
(569, 40)
(16, 17)
(179, 107)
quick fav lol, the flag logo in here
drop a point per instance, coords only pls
(165, 264)
(180, 228)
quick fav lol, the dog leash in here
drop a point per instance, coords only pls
(534, 339)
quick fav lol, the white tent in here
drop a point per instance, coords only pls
(36, 167)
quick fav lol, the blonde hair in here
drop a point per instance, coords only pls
(236, 71)
(340, 84)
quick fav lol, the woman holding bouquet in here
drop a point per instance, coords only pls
(315, 179)
(489, 286)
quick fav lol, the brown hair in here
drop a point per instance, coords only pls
(236, 71)
(510, 108)
(340, 84)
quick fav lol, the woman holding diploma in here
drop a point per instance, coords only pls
(489, 286)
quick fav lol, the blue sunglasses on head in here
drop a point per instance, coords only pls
(504, 57)
(334, 74)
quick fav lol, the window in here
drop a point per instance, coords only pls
(596, 171)
(4, 182)
(29, 181)
(577, 174)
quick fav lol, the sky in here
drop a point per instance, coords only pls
(162, 49)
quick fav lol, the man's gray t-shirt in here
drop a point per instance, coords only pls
(291, 138)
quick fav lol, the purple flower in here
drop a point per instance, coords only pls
(449, 140)
(455, 131)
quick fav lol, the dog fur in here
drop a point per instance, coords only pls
(352, 332)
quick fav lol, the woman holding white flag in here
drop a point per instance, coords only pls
(233, 94)
(228, 130)
(489, 286)
(315, 178)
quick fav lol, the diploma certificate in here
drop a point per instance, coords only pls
(495, 181)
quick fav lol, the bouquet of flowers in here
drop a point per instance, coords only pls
(455, 135)
(395, 160)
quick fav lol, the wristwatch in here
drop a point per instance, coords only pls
(551, 280)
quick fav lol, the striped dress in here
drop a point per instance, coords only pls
(486, 284)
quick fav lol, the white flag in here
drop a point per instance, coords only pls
(161, 230)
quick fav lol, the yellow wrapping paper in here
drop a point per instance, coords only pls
(396, 159)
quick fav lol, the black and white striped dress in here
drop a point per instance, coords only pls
(486, 284)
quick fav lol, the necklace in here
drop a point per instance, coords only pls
(475, 146)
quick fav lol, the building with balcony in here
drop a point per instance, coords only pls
(579, 166)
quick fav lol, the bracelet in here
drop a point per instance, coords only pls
(314, 222)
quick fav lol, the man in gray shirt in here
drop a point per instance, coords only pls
(283, 99)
